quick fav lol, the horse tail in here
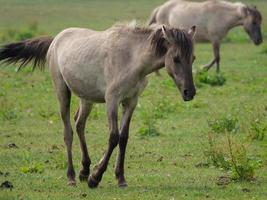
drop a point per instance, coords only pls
(152, 19)
(34, 50)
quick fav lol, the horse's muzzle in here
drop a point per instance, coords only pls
(258, 41)
(188, 95)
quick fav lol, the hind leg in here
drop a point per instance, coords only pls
(64, 101)
(216, 60)
(64, 98)
(82, 114)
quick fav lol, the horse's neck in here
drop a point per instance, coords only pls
(233, 13)
(153, 65)
(147, 61)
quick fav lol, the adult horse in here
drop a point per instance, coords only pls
(213, 19)
(109, 66)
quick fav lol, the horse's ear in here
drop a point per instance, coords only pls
(243, 11)
(167, 34)
(192, 31)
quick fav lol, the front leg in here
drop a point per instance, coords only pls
(112, 111)
(128, 108)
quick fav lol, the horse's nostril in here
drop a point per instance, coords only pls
(186, 92)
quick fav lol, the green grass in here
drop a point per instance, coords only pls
(158, 167)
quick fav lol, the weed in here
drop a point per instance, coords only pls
(148, 128)
(34, 168)
(242, 167)
(227, 123)
(9, 115)
(216, 154)
(258, 129)
(231, 157)
(204, 77)
(163, 109)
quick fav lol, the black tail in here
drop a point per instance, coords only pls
(26, 51)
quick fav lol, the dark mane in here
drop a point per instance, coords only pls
(255, 13)
(158, 43)
(181, 37)
(184, 42)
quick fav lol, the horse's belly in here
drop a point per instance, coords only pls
(89, 85)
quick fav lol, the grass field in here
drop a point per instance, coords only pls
(169, 139)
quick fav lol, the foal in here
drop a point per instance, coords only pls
(111, 67)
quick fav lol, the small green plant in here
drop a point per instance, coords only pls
(242, 168)
(231, 157)
(204, 77)
(34, 168)
(258, 129)
(148, 129)
(216, 154)
(163, 108)
(8, 111)
(225, 123)
(9, 115)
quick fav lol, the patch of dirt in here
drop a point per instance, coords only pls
(12, 146)
(160, 159)
(202, 165)
(245, 190)
(53, 148)
(6, 185)
(223, 180)
(83, 195)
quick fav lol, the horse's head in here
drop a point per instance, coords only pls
(252, 23)
(177, 47)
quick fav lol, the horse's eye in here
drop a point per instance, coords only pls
(176, 59)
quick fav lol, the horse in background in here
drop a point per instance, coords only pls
(213, 19)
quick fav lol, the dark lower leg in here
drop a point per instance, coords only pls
(68, 134)
(209, 65)
(86, 162)
(96, 176)
(128, 107)
(68, 137)
(84, 111)
(218, 64)
(99, 169)
(119, 170)
(216, 52)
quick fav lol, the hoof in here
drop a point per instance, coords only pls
(72, 183)
(83, 177)
(92, 183)
(122, 185)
